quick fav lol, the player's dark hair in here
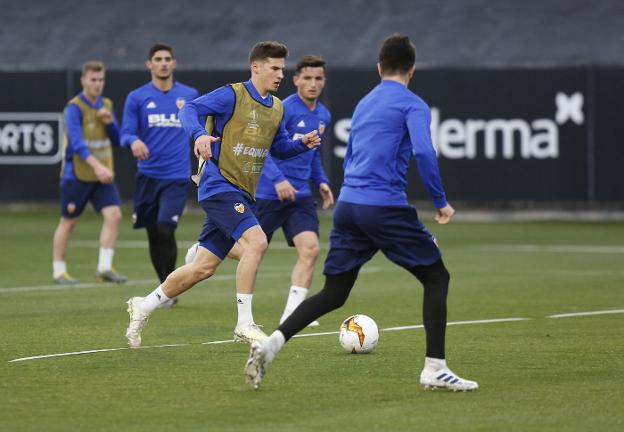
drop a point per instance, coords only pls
(159, 47)
(267, 49)
(397, 54)
(310, 61)
(93, 65)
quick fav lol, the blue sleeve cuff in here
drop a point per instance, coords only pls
(127, 140)
(84, 153)
(198, 133)
(440, 202)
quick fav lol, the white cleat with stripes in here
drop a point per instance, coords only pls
(446, 379)
(138, 320)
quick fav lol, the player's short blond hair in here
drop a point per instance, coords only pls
(93, 65)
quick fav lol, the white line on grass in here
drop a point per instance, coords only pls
(90, 352)
(577, 314)
(552, 248)
(141, 282)
(231, 341)
(142, 244)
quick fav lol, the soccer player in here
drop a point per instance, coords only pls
(389, 125)
(87, 173)
(152, 129)
(245, 123)
(283, 196)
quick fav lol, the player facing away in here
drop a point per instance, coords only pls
(87, 173)
(284, 198)
(245, 123)
(151, 128)
(389, 125)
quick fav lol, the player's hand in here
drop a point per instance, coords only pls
(311, 139)
(139, 150)
(105, 115)
(103, 174)
(203, 146)
(444, 214)
(285, 191)
(327, 195)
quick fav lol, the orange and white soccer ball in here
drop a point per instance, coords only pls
(359, 334)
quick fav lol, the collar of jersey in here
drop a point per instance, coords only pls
(268, 102)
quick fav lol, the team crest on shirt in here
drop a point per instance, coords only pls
(71, 207)
(239, 207)
(321, 127)
(180, 102)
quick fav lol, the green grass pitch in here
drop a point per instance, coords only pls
(538, 374)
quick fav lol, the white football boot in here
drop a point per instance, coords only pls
(249, 333)
(260, 356)
(138, 320)
(447, 379)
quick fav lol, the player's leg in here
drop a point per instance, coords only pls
(231, 221)
(253, 244)
(106, 201)
(350, 248)
(405, 241)
(171, 203)
(140, 308)
(59, 250)
(145, 215)
(74, 197)
(308, 249)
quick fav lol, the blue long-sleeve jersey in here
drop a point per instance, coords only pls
(300, 169)
(220, 104)
(75, 140)
(389, 125)
(151, 115)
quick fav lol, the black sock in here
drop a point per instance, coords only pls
(163, 249)
(435, 279)
(332, 296)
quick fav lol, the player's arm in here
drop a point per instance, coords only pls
(73, 123)
(283, 147)
(320, 180)
(112, 125)
(418, 124)
(283, 188)
(219, 101)
(130, 128)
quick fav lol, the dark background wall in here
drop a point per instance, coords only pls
(507, 135)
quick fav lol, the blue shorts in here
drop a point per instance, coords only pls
(293, 216)
(228, 216)
(75, 194)
(158, 201)
(361, 230)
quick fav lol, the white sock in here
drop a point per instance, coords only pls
(275, 342)
(243, 303)
(105, 262)
(434, 364)
(153, 300)
(296, 295)
(58, 268)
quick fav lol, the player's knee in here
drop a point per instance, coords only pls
(310, 252)
(201, 272)
(334, 299)
(113, 215)
(68, 224)
(258, 244)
